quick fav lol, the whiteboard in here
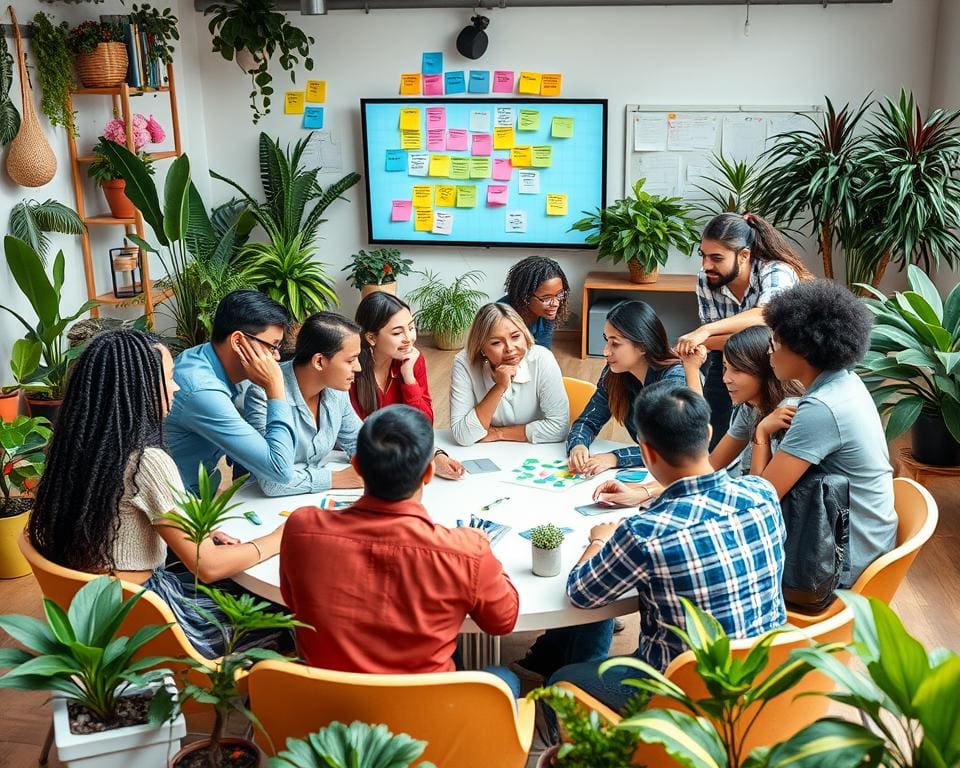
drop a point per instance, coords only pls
(671, 146)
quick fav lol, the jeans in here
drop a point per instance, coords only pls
(715, 392)
(608, 688)
(510, 678)
(561, 647)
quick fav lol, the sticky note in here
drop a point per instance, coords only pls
(433, 85)
(396, 160)
(317, 91)
(459, 167)
(521, 157)
(410, 84)
(436, 118)
(503, 137)
(528, 182)
(542, 156)
(515, 221)
(467, 196)
(422, 196)
(479, 120)
(440, 165)
(502, 169)
(400, 210)
(293, 103)
(442, 223)
(457, 139)
(454, 81)
(479, 167)
(480, 144)
(529, 120)
(505, 116)
(479, 81)
(436, 140)
(550, 84)
(409, 118)
(497, 194)
(417, 163)
(423, 219)
(502, 81)
(562, 128)
(529, 83)
(313, 117)
(431, 63)
(411, 140)
(444, 195)
(556, 204)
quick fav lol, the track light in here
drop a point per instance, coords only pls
(472, 40)
(313, 7)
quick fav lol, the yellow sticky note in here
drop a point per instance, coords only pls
(562, 128)
(409, 118)
(445, 195)
(293, 103)
(529, 120)
(422, 196)
(410, 84)
(411, 140)
(317, 91)
(480, 167)
(503, 137)
(439, 165)
(556, 204)
(542, 156)
(459, 167)
(529, 83)
(550, 84)
(423, 219)
(521, 157)
(466, 196)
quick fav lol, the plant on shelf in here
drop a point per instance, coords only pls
(351, 746)
(86, 36)
(376, 268)
(31, 220)
(640, 230)
(22, 443)
(730, 188)
(54, 68)
(253, 31)
(9, 116)
(160, 28)
(99, 53)
(106, 175)
(447, 310)
(545, 541)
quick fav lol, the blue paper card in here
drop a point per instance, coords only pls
(454, 82)
(632, 475)
(479, 81)
(313, 117)
(396, 160)
(432, 63)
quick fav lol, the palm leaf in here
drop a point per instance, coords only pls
(334, 192)
(31, 220)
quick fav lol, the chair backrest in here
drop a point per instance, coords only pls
(468, 719)
(579, 393)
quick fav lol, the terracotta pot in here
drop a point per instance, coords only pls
(120, 205)
(546, 759)
(13, 565)
(49, 409)
(9, 405)
(639, 275)
(449, 341)
(366, 290)
(203, 744)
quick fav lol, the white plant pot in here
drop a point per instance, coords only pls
(546, 562)
(247, 60)
(137, 746)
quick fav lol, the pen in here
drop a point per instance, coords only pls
(494, 503)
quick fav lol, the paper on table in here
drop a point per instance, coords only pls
(459, 167)
(530, 83)
(433, 85)
(542, 156)
(550, 84)
(457, 138)
(442, 223)
(691, 132)
(445, 195)
(650, 132)
(662, 173)
(529, 120)
(409, 118)
(422, 196)
(410, 84)
(556, 204)
(547, 475)
(504, 116)
(396, 160)
(744, 137)
(479, 167)
(503, 81)
(439, 165)
(466, 196)
(498, 194)
(454, 82)
(480, 144)
(529, 182)
(431, 62)
(502, 169)
(436, 118)
(480, 120)
(436, 140)
(479, 81)
(503, 137)
(515, 222)
(316, 91)
(423, 219)
(417, 163)
(293, 103)
(562, 128)
(400, 210)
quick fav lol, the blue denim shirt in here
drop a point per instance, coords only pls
(204, 423)
(540, 328)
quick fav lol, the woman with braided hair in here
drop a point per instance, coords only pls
(537, 289)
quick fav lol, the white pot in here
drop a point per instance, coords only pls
(546, 562)
(137, 746)
(247, 60)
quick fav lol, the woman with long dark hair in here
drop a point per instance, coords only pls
(538, 290)
(108, 479)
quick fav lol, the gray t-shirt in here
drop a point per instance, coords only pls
(837, 426)
(742, 424)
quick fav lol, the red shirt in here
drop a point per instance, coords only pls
(386, 589)
(416, 395)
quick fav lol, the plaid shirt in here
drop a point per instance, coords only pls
(767, 279)
(712, 539)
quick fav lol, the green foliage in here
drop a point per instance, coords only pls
(255, 26)
(731, 189)
(447, 309)
(77, 652)
(376, 267)
(642, 228)
(31, 220)
(102, 169)
(86, 36)
(159, 26)
(9, 116)
(21, 451)
(55, 69)
(355, 746)
(546, 536)
(914, 343)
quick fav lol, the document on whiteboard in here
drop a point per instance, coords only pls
(744, 137)
(662, 174)
(689, 133)
(650, 133)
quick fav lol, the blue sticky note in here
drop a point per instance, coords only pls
(432, 63)
(313, 117)
(396, 160)
(454, 82)
(479, 81)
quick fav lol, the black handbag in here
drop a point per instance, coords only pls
(816, 514)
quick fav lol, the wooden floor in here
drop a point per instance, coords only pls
(928, 603)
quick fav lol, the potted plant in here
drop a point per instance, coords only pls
(106, 175)
(99, 52)
(377, 270)
(110, 710)
(341, 746)
(730, 189)
(447, 310)
(252, 30)
(545, 541)
(640, 229)
(54, 69)
(160, 27)
(912, 369)
(22, 441)
(31, 220)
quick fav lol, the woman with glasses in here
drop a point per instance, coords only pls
(537, 289)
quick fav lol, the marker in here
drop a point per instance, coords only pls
(253, 517)
(494, 503)
(285, 513)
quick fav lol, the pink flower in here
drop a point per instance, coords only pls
(156, 132)
(114, 131)
(144, 131)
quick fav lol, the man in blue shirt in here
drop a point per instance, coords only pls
(204, 423)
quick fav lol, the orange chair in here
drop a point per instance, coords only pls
(917, 516)
(579, 393)
(778, 720)
(468, 719)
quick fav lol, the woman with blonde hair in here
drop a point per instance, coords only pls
(504, 386)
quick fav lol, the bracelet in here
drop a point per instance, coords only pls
(759, 442)
(259, 551)
(601, 542)
(440, 452)
(649, 493)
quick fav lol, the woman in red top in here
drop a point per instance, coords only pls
(392, 369)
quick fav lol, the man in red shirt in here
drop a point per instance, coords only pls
(384, 588)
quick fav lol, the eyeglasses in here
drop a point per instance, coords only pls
(552, 301)
(274, 348)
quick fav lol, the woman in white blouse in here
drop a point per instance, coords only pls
(505, 387)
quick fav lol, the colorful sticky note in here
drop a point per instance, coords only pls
(457, 139)
(562, 128)
(293, 103)
(529, 120)
(521, 157)
(550, 84)
(503, 81)
(417, 163)
(480, 144)
(440, 165)
(400, 211)
(396, 160)
(479, 120)
(431, 63)
(454, 81)
(542, 156)
(502, 169)
(529, 83)
(503, 137)
(317, 91)
(409, 118)
(436, 118)
(410, 84)
(497, 194)
(442, 223)
(528, 182)
(515, 221)
(411, 140)
(313, 117)
(505, 116)
(422, 195)
(444, 195)
(479, 167)
(423, 219)
(479, 81)
(459, 167)
(436, 140)
(556, 204)
(467, 196)
(433, 85)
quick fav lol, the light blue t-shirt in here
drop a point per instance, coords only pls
(837, 427)
(742, 424)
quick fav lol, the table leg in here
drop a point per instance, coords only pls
(583, 323)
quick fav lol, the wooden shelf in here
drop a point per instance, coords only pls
(116, 90)
(106, 219)
(158, 294)
(152, 155)
(619, 281)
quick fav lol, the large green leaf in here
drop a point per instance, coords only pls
(924, 286)
(902, 664)
(28, 271)
(692, 742)
(827, 743)
(140, 187)
(24, 359)
(937, 707)
(175, 209)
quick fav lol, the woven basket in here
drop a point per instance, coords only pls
(639, 275)
(105, 67)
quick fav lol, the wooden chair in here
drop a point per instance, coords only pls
(779, 719)
(917, 516)
(468, 719)
(579, 393)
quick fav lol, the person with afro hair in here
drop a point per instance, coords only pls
(820, 332)
(538, 289)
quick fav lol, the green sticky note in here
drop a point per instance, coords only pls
(529, 120)
(466, 196)
(542, 156)
(480, 167)
(459, 167)
(562, 128)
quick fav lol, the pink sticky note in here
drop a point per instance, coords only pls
(401, 210)
(435, 141)
(436, 118)
(481, 144)
(433, 85)
(497, 194)
(502, 81)
(457, 138)
(502, 169)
